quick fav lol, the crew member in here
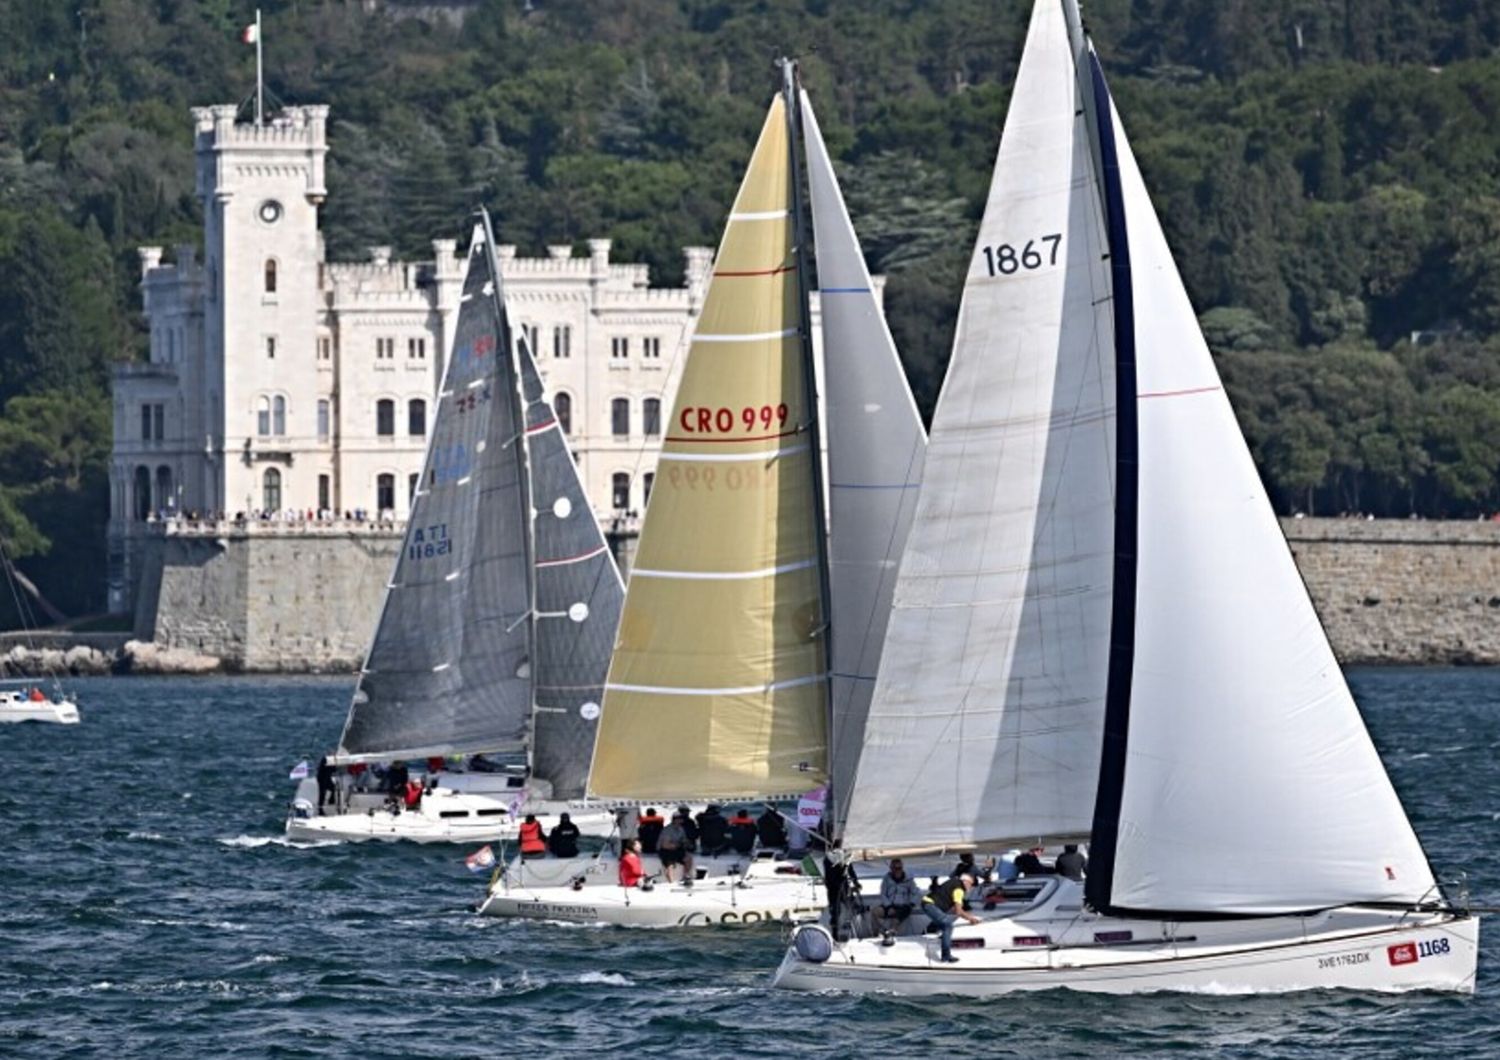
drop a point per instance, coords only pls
(563, 842)
(898, 897)
(944, 904)
(713, 831)
(533, 838)
(631, 873)
(742, 832)
(671, 848)
(772, 829)
(1071, 863)
(648, 829)
(326, 789)
(413, 794)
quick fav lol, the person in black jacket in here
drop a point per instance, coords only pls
(1030, 863)
(1071, 863)
(742, 831)
(648, 829)
(713, 831)
(772, 829)
(563, 842)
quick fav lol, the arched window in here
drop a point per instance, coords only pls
(651, 417)
(385, 493)
(278, 416)
(416, 418)
(385, 418)
(647, 481)
(270, 276)
(620, 490)
(619, 417)
(263, 417)
(164, 498)
(143, 493)
(271, 490)
(562, 405)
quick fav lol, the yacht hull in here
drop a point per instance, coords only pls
(1436, 952)
(18, 710)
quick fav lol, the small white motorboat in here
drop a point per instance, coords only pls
(27, 706)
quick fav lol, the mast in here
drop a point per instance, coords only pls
(790, 90)
(523, 463)
(260, 77)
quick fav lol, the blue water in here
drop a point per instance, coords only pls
(150, 909)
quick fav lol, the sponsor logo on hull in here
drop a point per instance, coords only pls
(748, 916)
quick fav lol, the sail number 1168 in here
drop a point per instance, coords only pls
(1006, 259)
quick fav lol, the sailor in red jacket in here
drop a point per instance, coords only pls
(631, 873)
(533, 839)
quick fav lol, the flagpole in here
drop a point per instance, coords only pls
(260, 80)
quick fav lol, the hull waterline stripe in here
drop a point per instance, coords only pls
(729, 458)
(774, 686)
(756, 336)
(572, 559)
(764, 572)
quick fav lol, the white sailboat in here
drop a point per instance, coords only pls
(720, 686)
(495, 633)
(1099, 635)
(26, 699)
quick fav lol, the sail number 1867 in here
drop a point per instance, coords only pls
(1006, 259)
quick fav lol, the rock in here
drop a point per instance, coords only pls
(143, 657)
(84, 660)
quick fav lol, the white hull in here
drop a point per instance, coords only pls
(18, 708)
(759, 895)
(444, 816)
(1344, 949)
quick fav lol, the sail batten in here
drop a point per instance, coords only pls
(717, 686)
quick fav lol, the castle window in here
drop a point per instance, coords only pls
(416, 418)
(416, 349)
(620, 490)
(385, 349)
(143, 493)
(652, 347)
(270, 276)
(325, 493)
(164, 497)
(562, 341)
(159, 421)
(271, 490)
(385, 493)
(278, 416)
(647, 481)
(145, 423)
(531, 331)
(263, 417)
(619, 417)
(385, 417)
(325, 417)
(270, 347)
(651, 417)
(619, 347)
(325, 348)
(562, 407)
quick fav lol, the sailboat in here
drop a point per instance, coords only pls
(720, 688)
(495, 633)
(26, 700)
(1099, 636)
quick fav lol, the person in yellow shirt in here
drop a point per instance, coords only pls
(944, 904)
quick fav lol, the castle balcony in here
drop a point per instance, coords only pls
(139, 371)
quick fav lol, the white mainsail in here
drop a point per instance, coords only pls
(987, 715)
(876, 446)
(1250, 782)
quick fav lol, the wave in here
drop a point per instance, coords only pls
(253, 841)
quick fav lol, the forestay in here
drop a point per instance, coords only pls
(718, 683)
(578, 600)
(875, 445)
(1250, 782)
(447, 670)
(987, 714)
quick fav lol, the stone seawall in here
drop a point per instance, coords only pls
(1403, 591)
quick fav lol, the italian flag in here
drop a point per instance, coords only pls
(250, 34)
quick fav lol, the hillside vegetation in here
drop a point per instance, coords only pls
(1328, 172)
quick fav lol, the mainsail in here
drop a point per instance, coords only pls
(578, 599)
(718, 687)
(1238, 775)
(447, 671)
(876, 446)
(987, 714)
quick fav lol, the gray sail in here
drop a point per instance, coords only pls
(447, 671)
(578, 598)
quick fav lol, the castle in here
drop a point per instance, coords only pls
(279, 382)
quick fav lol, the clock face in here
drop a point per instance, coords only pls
(270, 211)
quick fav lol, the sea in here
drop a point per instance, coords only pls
(150, 907)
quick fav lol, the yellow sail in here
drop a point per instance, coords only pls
(717, 687)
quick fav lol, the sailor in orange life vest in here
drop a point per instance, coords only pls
(533, 839)
(36, 696)
(413, 794)
(631, 873)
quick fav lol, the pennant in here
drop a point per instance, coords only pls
(250, 34)
(481, 859)
(299, 771)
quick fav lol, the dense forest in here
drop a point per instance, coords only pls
(1328, 172)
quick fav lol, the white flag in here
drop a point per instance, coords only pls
(250, 34)
(299, 771)
(481, 859)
